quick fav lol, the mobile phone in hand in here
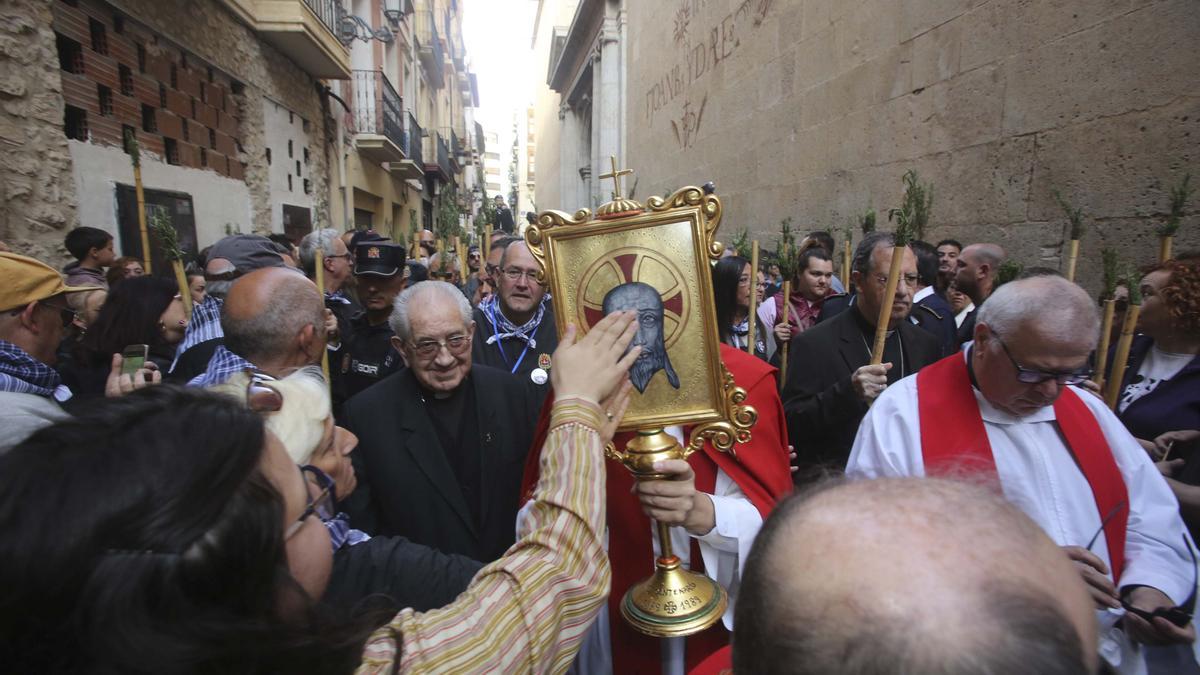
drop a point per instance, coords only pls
(133, 358)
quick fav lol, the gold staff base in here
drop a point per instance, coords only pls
(673, 602)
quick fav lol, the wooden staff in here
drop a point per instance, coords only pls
(185, 292)
(750, 320)
(787, 319)
(846, 262)
(1106, 323)
(1121, 358)
(487, 241)
(462, 258)
(320, 270)
(1164, 247)
(885, 308)
(441, 247)
(1072, 259)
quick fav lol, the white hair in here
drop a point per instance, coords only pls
(1055, 308)
(322, 239)
(419, 293)
(300, 423)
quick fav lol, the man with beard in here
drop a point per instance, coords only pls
(1009, 411)
(645, 300)
(829, 384)
(948, 251)
(516, 330)
(367, 354)
(975, 277)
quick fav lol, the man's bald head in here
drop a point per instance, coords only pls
(978, 265)
(274, 316)
(909, 575)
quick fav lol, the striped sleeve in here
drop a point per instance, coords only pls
(529, 610)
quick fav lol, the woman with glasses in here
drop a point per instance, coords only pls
(170, 531)
(396, 572)
(732, 279)
(140, 310)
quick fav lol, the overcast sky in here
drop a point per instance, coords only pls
(497, 34)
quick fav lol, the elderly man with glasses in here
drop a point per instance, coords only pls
(516, 326)
(1007, 411)
(441, 443)
(829, 383)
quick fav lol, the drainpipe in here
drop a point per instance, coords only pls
(341, 156)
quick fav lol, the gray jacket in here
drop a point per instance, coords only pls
(23, 414)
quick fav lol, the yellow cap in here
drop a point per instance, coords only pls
(24, 280)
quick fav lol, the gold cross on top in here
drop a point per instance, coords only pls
(616, 176)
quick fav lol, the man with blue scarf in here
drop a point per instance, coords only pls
(515, 327)
(33, 314)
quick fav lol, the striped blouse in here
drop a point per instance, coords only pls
(529, 610)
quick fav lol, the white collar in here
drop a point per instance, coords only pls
(922, 294)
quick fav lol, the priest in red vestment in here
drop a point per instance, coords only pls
(715, 504)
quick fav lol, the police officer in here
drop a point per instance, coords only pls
(367, 354)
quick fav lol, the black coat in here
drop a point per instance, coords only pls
(935, 315)
(546, 337)
(823, 412)
(406, 485)
(396, 571)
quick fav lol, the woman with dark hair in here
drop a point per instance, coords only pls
(733, 282)
(141, 310)
(168, 531)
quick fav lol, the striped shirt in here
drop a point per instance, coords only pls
(221, 367)
(529, 610)
(204, 326)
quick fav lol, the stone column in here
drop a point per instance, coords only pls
(608, 100)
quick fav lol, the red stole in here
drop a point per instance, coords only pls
(761, 470)
(954, 440)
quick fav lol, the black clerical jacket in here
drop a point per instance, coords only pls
(406, 484)
(823, 412)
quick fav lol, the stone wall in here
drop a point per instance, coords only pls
(37, 192)
(40, 200)
(813, 109)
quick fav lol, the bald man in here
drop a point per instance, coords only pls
(275, 321)
(976, 277)
(909, 575)
(1008, 410)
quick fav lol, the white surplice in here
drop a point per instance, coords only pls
(1038, 474)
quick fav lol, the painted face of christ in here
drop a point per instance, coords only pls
(644, 299)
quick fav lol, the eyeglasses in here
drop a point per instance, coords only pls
(323, 505)
(514, 274)
(491, 269)
(909, 279)
(442, 275)
(455, 344)
(260, 397)
(1031, 376)
(65, 313)
(347, 255)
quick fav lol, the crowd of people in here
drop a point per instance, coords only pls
(404, 469)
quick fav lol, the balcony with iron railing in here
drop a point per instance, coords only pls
(378, 118)
(414, 166)
(303, 30)
(429, 46)
(437, 157)
(456, 149)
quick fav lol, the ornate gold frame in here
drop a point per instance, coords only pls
(722, 419)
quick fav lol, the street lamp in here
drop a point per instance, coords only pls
(394, 10)
(351, 28)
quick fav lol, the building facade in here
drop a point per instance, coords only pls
(405, 144)
(813, 110)
(222, 97)
(248, 116)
